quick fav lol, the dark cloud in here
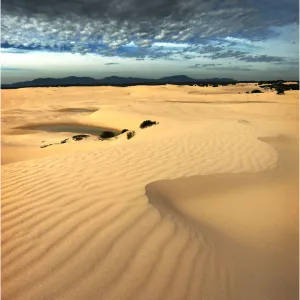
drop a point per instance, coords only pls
(13, 69)
(109, 64)
(244, 56)
(115, 23)
(219, 67)
(146, 11)
(196, 66)
(261, 58)
(210, 49)
(231, 68)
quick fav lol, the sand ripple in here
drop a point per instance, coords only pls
(81, 227)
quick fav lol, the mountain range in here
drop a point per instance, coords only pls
(114, 81)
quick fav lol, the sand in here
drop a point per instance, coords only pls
(203, 205)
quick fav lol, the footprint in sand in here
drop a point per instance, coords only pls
(244, 122)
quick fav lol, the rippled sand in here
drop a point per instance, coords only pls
(203, 205)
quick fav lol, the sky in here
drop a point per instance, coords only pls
(239, 39)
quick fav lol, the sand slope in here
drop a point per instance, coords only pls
(201, 206)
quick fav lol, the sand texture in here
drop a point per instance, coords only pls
(202, 206)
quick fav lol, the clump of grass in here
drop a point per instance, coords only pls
(107, 135)
(124, 130)
(256, 92)
(130, 134)
(148, 123)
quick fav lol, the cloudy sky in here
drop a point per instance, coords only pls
(240, 39)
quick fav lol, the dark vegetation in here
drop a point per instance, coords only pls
(80, 137)
(278, 85)
(124, 130)
(280, 91)
(64, 141)
(44, 146)
(256, 92)
(107, 135)
(147, 123)
(130, 134)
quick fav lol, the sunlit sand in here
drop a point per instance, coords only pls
(203, 205)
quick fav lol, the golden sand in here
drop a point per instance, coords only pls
(203, 205)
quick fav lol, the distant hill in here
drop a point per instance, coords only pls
(183, 78)
(177, 78)
(114, 81)
(53, 82)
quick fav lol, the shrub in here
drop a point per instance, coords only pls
(280, 91)
(64, 141)
(247, 92)
(107, 135)
(214, 85)
(124, 130)
(80, 137)
(130, 134)
(256, 92)
(147, 123)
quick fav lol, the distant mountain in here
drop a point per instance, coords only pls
(220, 80)
(53, 81)
(177, 78)
(114, 81)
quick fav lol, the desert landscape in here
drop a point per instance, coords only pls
(202, 205)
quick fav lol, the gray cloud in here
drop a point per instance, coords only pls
(231, 68)
(84, 25)
(110, 64)
(244, 56)
(219, 67)
(154, 10)
(14, 69)
(210, 49)
(261, 58)
(197, 66)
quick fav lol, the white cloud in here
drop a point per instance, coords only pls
(238, 40)
(170, 45)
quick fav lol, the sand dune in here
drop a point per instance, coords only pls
(201, 206)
